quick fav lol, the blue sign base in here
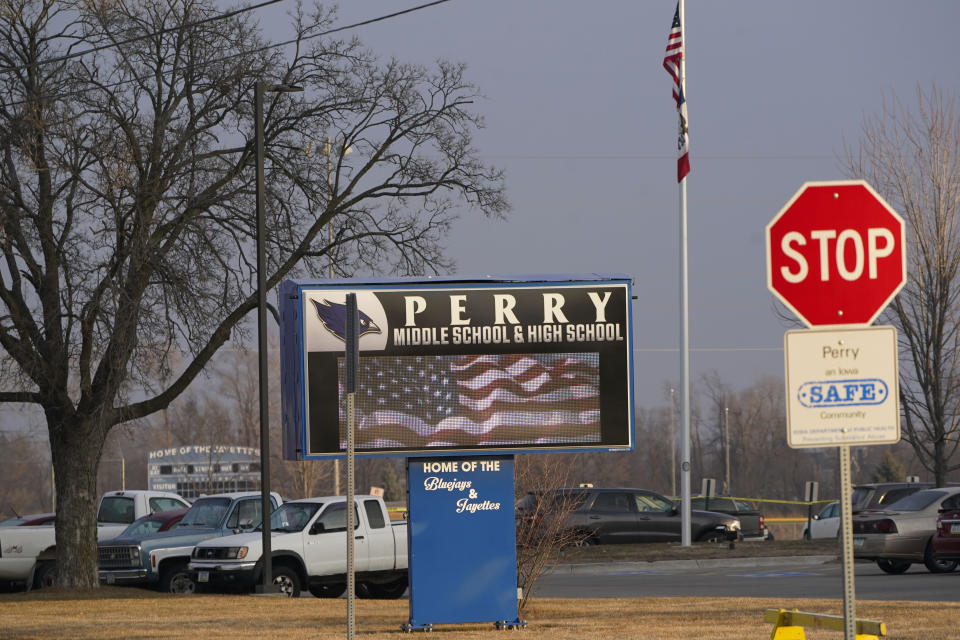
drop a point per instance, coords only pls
(462, 542)
(500, 625)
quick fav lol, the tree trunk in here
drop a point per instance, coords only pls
(76, 449)
(940, 463)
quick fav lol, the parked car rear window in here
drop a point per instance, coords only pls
(374, 514)
(953, 502)
(917, 501)
(896, 494)
(116, 509)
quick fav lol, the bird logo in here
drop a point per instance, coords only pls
(333, 315)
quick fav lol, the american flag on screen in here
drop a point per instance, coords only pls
(479, 400)
(671, 62)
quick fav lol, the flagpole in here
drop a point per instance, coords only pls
(684, 331)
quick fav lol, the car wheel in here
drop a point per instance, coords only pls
(892, 566)
(286, 581)
(389, 590)
(45, 576)
(328, 590)
(176, 579)
(937, 566)
(806, 534)
(712, 536)
(576, 538)
(585, 540)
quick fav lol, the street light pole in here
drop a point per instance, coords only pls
(673, 449)
(259, 89)
(726, 448)
(328, 151)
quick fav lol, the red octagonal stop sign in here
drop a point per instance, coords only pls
(836, 253)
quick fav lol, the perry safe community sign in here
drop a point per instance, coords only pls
(842, 387)
(450, 366)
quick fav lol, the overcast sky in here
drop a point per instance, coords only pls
(579, 115)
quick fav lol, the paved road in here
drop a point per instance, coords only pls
(767, 577)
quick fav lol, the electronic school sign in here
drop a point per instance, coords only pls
(448, 366)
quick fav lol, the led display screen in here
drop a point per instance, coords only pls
(447, 368)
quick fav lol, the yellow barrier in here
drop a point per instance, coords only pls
(784, 519)
(801, 502)
(788, 625)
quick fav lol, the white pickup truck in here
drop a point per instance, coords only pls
(308, 547)
(28, 555)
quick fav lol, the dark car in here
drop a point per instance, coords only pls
(946, 541)
(610, 516)
(877, 495)
(752, 526)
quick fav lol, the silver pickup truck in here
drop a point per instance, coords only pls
(308, 544)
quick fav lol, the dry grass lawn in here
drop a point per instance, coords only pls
(119, 613)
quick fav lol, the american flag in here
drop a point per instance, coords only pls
(671, 62)
(480, 400)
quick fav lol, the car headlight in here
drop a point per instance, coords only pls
(238, 553)
(733, 525)
(220, 553)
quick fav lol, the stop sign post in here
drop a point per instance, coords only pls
(836, 253)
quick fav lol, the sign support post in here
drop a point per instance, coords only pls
(846, 544)
(811, 492)
(352, 364)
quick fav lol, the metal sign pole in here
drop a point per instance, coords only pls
(352, 363)
(846, 544)
(811, 493)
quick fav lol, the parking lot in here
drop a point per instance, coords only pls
(785, 578)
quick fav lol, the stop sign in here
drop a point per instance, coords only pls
(836, 253)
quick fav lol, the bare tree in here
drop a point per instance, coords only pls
(542, 514)
(127, 201)
(911, 156)
(236, 372)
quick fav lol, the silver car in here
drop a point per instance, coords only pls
(901, 533)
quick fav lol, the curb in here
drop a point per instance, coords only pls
(703, 563)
